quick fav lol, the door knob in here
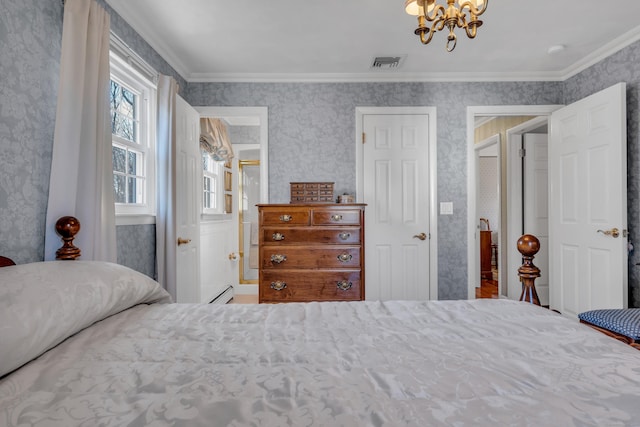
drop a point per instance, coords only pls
(421, 236)
(182, 241)
(614, 232)
(233, 256)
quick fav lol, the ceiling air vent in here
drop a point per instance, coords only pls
(386, 62)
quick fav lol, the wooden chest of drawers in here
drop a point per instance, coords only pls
(311, 252)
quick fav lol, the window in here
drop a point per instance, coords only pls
(212, 186)
(132, 102)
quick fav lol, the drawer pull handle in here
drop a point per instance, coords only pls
(277, 237)
(336, 217)
(278, 285)
(344, 285)
(278, 258)
(344, 236)
(286, 218)
(345, 257)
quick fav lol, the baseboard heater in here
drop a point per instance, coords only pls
(224, 296)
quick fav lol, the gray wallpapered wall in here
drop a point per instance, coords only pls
(307, 122)
(311, 137)
(244, 134)
(30, 38)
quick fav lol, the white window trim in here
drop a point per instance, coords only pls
(144, 213)
(219, 183)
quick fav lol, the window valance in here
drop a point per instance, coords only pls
(214, 139)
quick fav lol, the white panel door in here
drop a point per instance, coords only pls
(218, 272)
(188, 200)
(536, 205)
(396, 191)
(588, 199)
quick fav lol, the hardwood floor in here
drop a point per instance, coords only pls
(244, 299)
(487, 289)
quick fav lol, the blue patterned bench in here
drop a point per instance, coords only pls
(622, 324)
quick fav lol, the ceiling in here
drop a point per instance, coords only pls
(337, 40)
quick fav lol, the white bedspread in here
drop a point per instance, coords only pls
(448, 363)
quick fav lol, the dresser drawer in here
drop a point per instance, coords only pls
(288, 216)
(286, 257)
(311, 249)
(335, 217)
(296, 286)
(311, 235)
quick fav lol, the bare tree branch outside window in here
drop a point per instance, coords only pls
(127, 162)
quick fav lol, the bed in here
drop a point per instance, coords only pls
(96, 344)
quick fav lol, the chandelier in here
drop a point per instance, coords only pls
(463, 16)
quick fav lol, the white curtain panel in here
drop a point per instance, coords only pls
(81, 183)
(166, 182)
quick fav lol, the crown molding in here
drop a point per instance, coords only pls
(377, 76)
(605, 51)
(392, 76)
(144, 30)
(373, 77)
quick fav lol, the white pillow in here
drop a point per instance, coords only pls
(43, 303)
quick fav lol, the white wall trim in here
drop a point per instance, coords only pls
(143, 28)
(433, 177)
(135, 219)
(492, 140)
(472, 112)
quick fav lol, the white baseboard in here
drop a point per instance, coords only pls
(224, 297)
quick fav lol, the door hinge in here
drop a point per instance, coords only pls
(522, 152)
(364, 138)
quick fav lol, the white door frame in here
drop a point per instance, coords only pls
(515, 202)
(473, 257)
(261, 115)
(433, 176)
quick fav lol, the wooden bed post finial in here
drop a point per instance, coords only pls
(528, 246)
(67, 227)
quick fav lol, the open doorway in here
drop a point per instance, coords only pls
(489, 169)
(498, 120)
(527, 201)
(226, 239)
